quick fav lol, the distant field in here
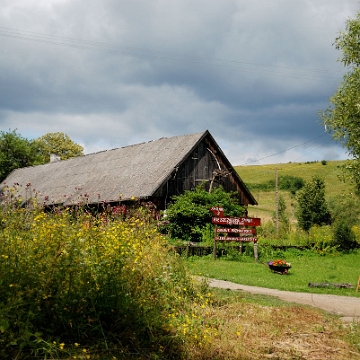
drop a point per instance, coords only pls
(257, 174)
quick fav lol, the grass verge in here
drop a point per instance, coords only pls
(306, 267)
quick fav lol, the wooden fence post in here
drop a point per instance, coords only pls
(214, 250)
(256, 252)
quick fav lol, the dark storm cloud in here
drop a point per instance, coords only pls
(112, 73)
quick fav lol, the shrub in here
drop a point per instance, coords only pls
(291, 183)
(356, 231)
(288, 183)
(344, 208)
(344, 236)
(265, 186)
(189, 216)
(321, 238)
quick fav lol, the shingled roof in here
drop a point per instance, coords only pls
(135, 171)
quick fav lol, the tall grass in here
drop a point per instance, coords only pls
(72, 284)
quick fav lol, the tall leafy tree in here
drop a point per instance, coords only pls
(342, 118)
(60, 144)
(312, 208)
(16, 152)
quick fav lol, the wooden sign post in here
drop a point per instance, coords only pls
(241, 229)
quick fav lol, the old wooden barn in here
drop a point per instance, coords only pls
(151, 171)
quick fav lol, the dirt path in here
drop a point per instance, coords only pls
(345, 306)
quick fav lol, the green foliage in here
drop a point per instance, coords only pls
(345, 215)
(18, 152)
(268, 185)
(282, 210)
(286, 183)
(267, 230)
(291, 183)
(73, 285)
(284, 223)
(343, 115)
(344, 208)
(15, 152)
(207, 235)
(344, 236)
(189, 216)
(321, 240)
(312, 207)
(331, 173)
(59, 144)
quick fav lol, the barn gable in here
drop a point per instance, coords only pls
(152, 171)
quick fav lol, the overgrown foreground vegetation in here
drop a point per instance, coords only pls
(74, 285)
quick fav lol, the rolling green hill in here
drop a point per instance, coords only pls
(255, 176)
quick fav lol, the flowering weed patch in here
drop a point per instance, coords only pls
(74, 285)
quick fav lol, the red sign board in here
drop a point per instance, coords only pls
(236, 231)
(239, 221)
(217, 211)
(233, 238)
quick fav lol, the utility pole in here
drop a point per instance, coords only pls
(277, 201)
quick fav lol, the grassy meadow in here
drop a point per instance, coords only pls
(259, 174)
(306, 266)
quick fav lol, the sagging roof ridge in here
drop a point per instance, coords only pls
(130, 145)
(108, 150)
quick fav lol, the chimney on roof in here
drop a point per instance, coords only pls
(54, 158)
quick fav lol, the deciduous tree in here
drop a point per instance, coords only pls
(342, 118)
(60, 144)
(16, 152)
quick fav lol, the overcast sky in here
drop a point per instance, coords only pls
(111, 73)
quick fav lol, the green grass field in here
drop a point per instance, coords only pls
(258, 174)
(306, 267)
